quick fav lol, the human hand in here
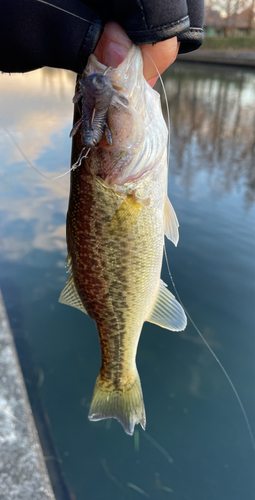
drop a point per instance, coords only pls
(114, 45)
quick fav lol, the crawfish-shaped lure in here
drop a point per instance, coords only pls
(97, 94)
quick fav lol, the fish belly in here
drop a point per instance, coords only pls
(116, 244)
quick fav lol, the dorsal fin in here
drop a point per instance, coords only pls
(167, 312)
(171, 222)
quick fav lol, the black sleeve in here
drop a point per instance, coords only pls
(34, 34)
(151, 21)
(192, 38)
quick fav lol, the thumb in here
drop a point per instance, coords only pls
(113, 45)
(157, 58)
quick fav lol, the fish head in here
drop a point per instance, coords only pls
(138, 130)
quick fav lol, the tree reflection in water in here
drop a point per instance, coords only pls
(212, 126)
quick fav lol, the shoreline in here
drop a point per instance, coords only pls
(243, 58)
(23, 471)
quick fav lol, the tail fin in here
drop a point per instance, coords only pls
(125, 405)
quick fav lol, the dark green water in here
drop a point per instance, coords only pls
(191, 410)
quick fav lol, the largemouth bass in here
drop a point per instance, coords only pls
(117, 216)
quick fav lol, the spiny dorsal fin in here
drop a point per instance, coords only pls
(126, 216)
(70, 297)
(171, 223)
(167, 312)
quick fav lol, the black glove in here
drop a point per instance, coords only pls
(151, 21)
(34, 34)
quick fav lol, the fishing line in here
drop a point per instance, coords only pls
(167, 263)
(178, 296)
(67, 12)
(167, 105)
(73, 167)
(212, 353)
(72, 14)
(23, 154)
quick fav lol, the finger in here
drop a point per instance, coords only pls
(160, 56)
(113, 45)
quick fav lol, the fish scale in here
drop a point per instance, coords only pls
(116, 221)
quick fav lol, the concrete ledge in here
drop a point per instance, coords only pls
(234, 58)
(23, 474)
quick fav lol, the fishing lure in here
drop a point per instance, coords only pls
(97, 93)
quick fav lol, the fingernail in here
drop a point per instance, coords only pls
(114, 54)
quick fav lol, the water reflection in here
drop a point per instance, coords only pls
(213, 126)
(36, 109)
(34, 106)
(191, 410)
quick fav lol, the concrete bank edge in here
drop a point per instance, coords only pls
(23, 473)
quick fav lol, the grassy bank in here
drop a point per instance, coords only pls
(235, 43)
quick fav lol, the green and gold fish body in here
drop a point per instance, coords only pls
(118, 213)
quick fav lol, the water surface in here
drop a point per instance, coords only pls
(191, 410)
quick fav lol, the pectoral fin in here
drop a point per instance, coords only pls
(120, 103)
(121, 97)
(167, 312)
(171, 222)
(70, 297)
(126, 216)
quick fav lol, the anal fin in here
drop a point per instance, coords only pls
(70, 296)
(167, 312)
